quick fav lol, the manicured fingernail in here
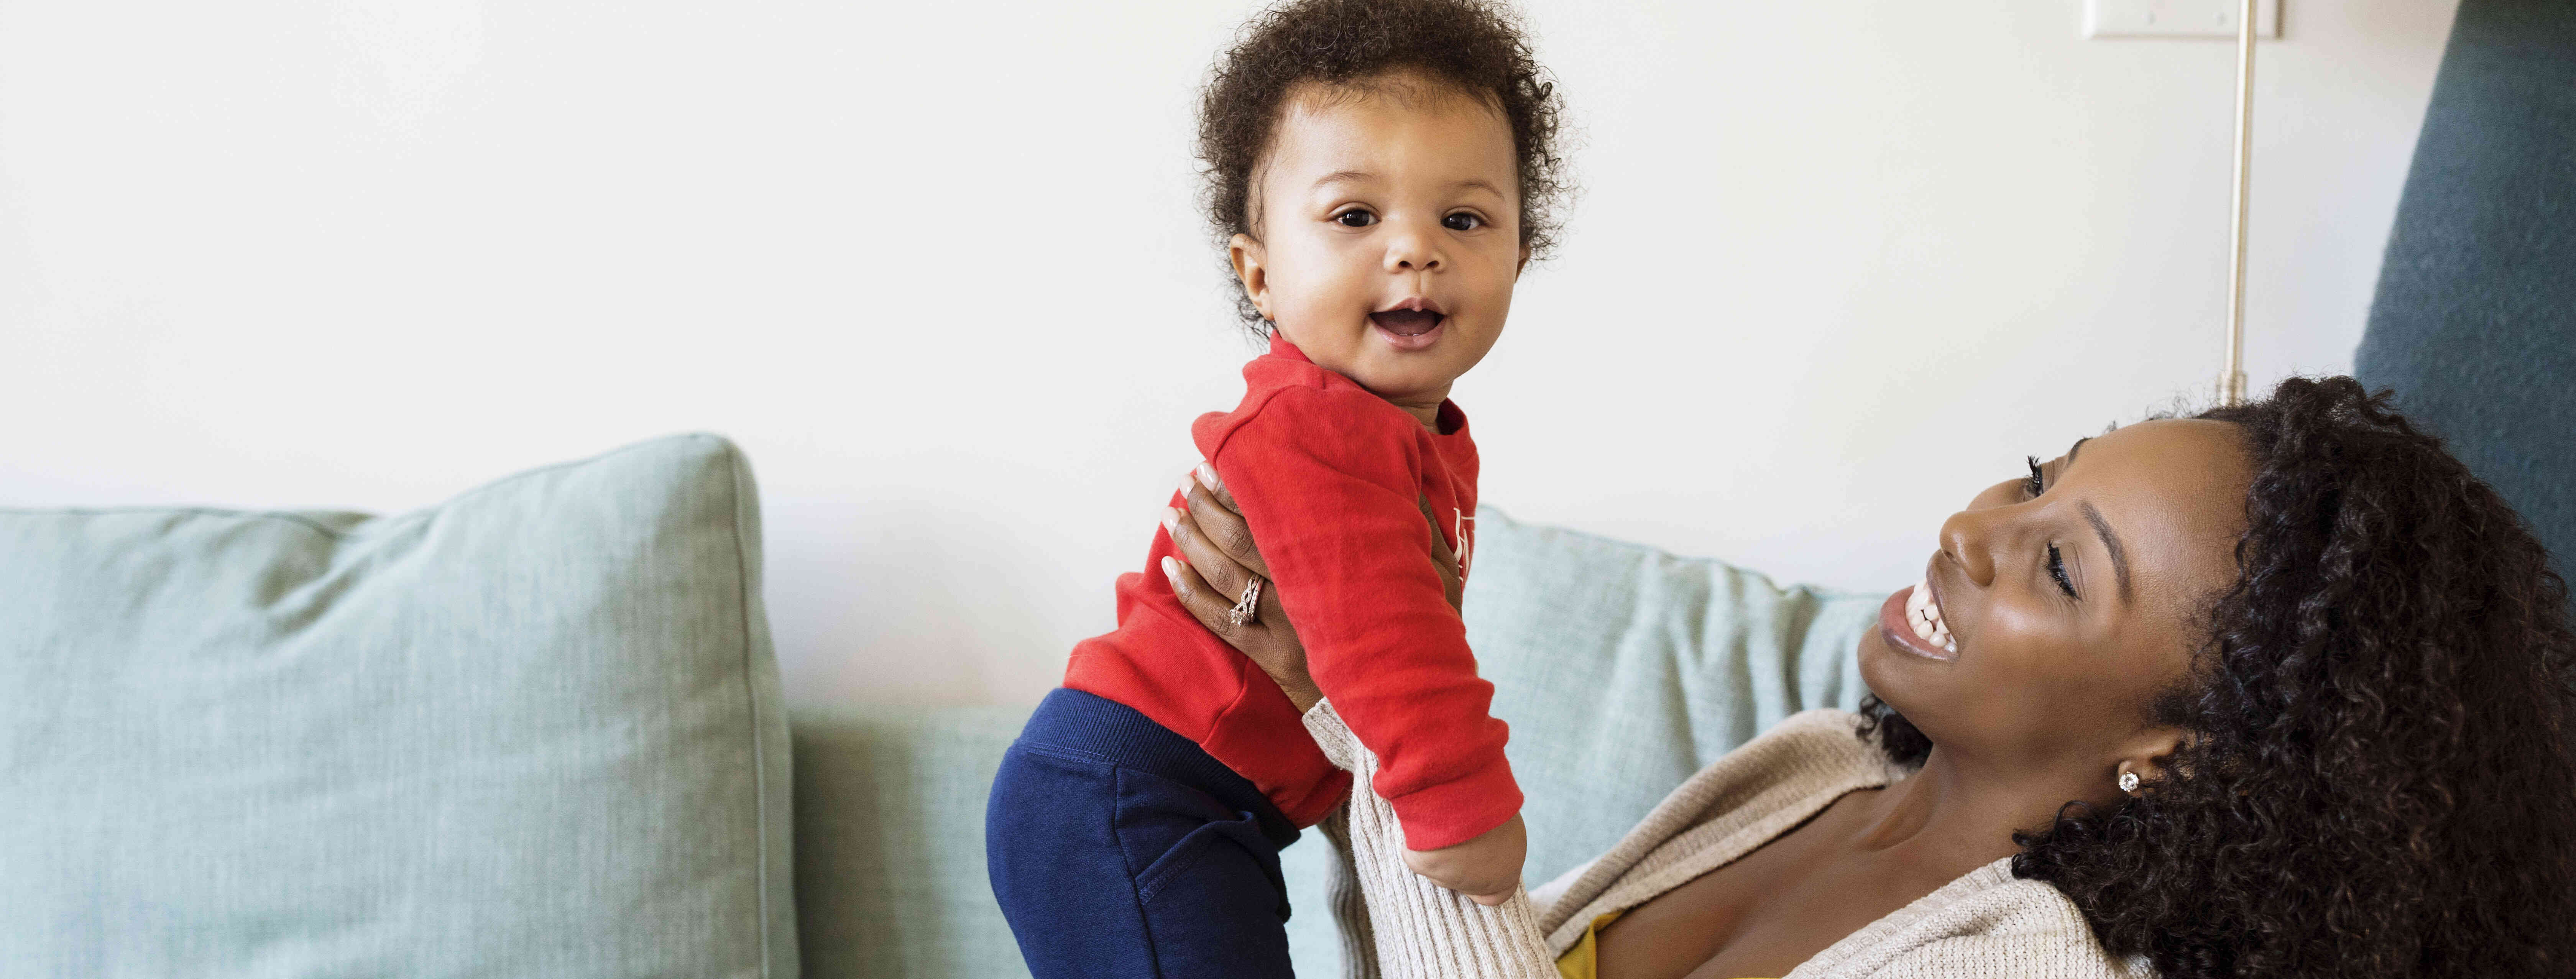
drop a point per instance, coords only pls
(1171, 520)
(1171, 568)
(1207, 477)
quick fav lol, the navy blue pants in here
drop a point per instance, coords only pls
(1120, 849)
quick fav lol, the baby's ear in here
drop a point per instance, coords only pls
(1524, 265)
(1249, 260)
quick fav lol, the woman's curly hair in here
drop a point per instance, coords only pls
(1478, 46)
(2379, 780)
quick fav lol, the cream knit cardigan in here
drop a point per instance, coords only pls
(1397, 925)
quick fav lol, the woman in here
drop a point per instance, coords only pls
(2278, 690)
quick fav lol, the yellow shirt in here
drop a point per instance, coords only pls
(1581, 961)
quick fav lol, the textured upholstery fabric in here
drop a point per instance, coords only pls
(2474, 324)
(1590, 642)
(1622, 670)
(535, 731)
(890, 842)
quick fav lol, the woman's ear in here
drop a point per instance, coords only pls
(1251, 268)
(2149, 757)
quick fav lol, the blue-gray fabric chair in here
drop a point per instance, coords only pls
(2474, 325)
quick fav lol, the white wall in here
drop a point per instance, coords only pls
(936, 268)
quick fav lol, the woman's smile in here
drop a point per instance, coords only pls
(1912, 621)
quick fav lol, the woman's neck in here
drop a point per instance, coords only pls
(1958, 816)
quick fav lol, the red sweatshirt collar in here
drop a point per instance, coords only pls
(1280, 347)
(1453, 419)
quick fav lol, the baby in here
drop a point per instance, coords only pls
(1381, 170)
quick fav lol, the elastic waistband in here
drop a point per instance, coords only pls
(1126, 737)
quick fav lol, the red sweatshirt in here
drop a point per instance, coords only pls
(1329, 476)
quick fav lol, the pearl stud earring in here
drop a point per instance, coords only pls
(2128, 781)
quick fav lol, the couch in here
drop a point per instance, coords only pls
(538, 731)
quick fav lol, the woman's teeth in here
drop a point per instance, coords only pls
(1924, 615)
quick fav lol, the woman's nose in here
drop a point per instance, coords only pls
(1967, 538)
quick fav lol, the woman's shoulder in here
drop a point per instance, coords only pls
(1742, 800)
(1807, 757)
(1816, 721)
(1825, 736)
(1802, 763)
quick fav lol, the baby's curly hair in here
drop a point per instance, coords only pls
(1478, 46)
(2380, 780)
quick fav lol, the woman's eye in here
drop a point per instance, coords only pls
(2057, 570)
(1462, 221)
(1355, 218)
(2031, 488)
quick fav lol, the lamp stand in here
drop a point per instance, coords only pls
(2231, 385)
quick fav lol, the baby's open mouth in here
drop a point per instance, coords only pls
(1406, 322)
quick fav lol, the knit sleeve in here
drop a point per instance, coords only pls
(1420, 929)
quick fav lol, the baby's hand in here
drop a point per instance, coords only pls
(1487, 869)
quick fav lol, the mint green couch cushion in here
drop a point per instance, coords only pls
(890, 842)
(1621, 670)
(535, 731)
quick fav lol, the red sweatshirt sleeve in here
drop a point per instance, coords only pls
(1328, 481)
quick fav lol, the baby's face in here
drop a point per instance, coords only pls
(1390, 235)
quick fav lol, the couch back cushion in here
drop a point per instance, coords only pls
(1621, 669)
(890, 842)
(533, 731)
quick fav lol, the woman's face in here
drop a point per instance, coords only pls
(2056, 617)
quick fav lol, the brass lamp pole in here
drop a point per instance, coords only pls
(2231, 385)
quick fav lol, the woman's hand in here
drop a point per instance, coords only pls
(1220, 557)
(1217, 544)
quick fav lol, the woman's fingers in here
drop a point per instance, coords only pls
(1443, 559)
(1201, 600)
(1267, 640)
(1440, 552)
(1206, 476)
(1216, 561)
(1213, 510)
(1213, 564)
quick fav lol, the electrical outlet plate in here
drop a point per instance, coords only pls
(2177, 18)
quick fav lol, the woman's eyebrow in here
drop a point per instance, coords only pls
(2111, 543)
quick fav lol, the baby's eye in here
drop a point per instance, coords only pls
(1355, 218)
(1462, 221)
